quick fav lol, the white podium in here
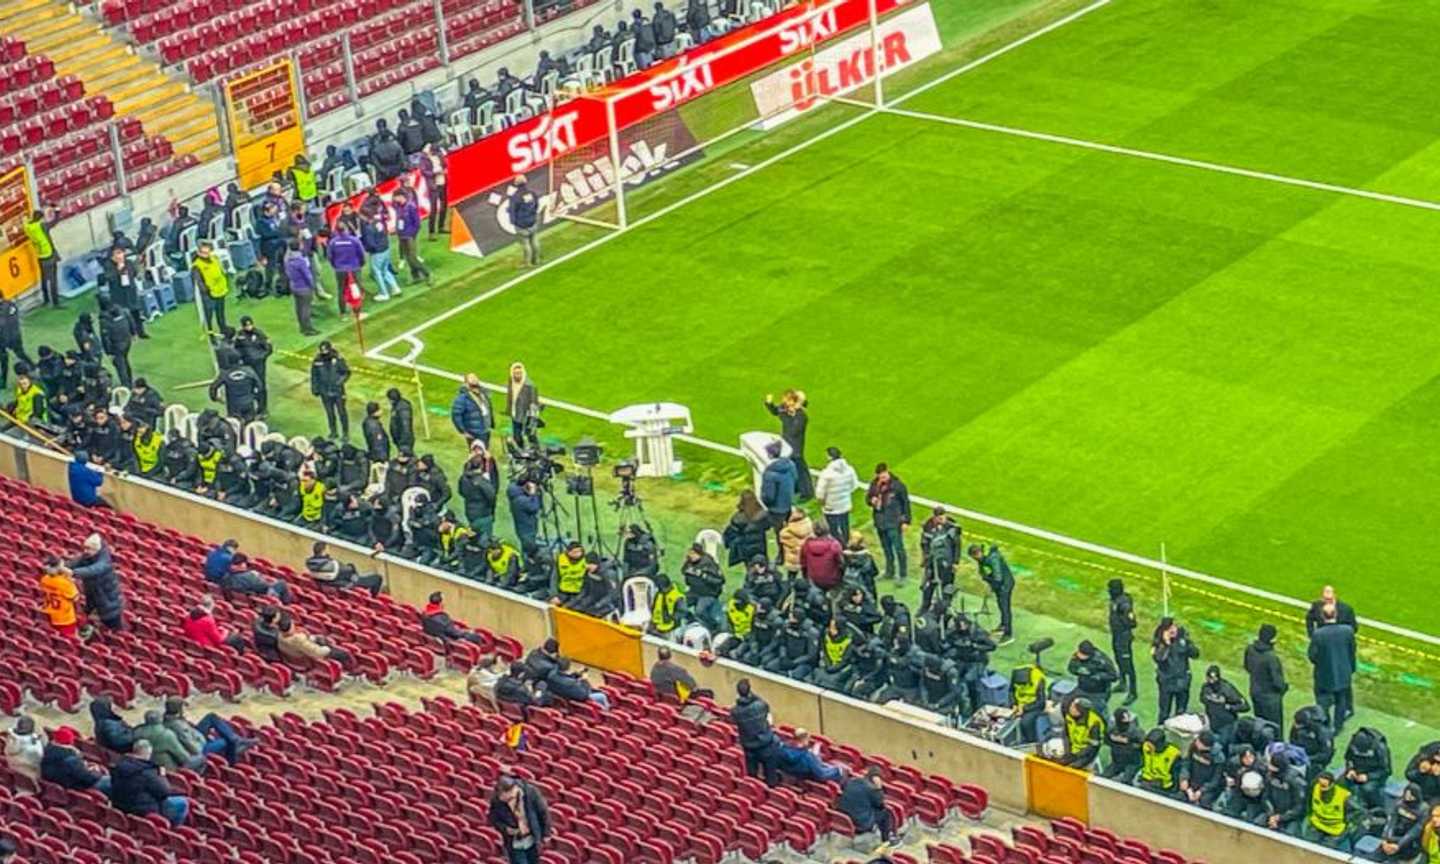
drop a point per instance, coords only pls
(753, 445)
(652, 427)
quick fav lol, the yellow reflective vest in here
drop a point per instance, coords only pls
(570, 574)
(1155, 767)
(1029, 691)
(212, 274)
(741, 618)
(208, 464)
(1430, 845)
(147, 452)
(29, 403)
(312, 503)
(304, 184)
(1088, 731)
(835, 649)
(499, 558)
(39, 237)
(662, 612)
(1328, 818)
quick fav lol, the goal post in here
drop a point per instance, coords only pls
(624, 149)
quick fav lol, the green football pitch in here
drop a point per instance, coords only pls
(1105, 345)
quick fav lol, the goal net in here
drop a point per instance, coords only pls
(619, 151)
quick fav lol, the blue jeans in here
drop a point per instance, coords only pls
(103, 786)
(383, 270)
(175, 808)
(253, 583)
(892, 541)
(600, 698)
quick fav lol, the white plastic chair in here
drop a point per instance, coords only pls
(638, 594)
(624, 60)
(409, 500)
(119, 398)
(514, 106)
(485, 122)
(302, 444)
(696, 637)
(215, 231)
(458, 124)
(357, 181)
(241, 227)
(190, 428)
(254, 435)
(377, 479)
(173, 418)
(712, 541)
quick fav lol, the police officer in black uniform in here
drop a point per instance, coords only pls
(255, 349)
(1122, 636)
(1094, 674)
(242, 390)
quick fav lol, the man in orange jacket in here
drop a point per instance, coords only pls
(58, 593)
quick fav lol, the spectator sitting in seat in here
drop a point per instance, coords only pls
(481, 682)
(138, 789)
(111, 730)
(296, 644)
(542, 660)
(863, 800)
(324, 569)
(266, 634)
(24, 748)
(802, 761)
(513, 689)
(165, 748)
(673, 681)
(63, 765)
(213, 734)
(438, 624)
(572, 686)
(200, 627)
(229, 568)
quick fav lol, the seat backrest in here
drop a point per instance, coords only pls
(626, 56)
(514, 100)
(302, 444)
(190, 427)
(255, 434)
(712, 541)
(638, 593)
(547, 84)
(119, 398)
(173, 418)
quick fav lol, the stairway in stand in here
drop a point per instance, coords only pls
(110, 67)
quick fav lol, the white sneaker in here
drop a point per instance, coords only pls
(381, 298)
(396, 291)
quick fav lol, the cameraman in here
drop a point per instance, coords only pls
(524, 497)
(970, 648)
(995, 571)
(940, 546)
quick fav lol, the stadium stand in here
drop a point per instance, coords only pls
(81, 48)
(161, 570)
(47, 117)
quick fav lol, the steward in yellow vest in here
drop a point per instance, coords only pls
(1028, 686)
(740, 614)
(1084, 733)
(836, 668)
(1333, 812)
(147, 450)
(312, 500)
(1159, 764)
(29, 404)
(503, 561)
(668, 608)
(207, 460)
(303, 178)
(570, 572)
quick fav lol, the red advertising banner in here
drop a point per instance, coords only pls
(492, 160)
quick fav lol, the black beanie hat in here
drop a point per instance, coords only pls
(1267, 633)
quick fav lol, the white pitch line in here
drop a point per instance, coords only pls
(378, 351)
(1201, 164)
(1003, 50)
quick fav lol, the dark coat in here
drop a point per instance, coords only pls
(377, 441)
(1267, 676)
(122, 283)
(569, 687)
(745, 539)
(537, 813)
(471, 413)
(136, 786)
(1223, 703)
(1315, 616)
(479, 487)
(892, 507)
(777, 486)
(328, 376)
(64, 766)
(862, 802)
(402, 424)
(102, 587)
(111, 731)
(751, 716)
(1172, 662)
(1332, 653)
(117, 332)
(525, 510)
(10, 335)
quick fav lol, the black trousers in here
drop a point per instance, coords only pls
(50, 280)
(523, 856)
(1173, 700)
(1268, 707)
(263, 398)
(20, 357)
(121, 362)
(437, 208)
(214, 311)
(766, 759)
(335, 413)
(138, 320)
(839, 524)
(1124, 653)
(1002, 602)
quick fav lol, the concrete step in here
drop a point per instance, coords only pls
(176, 113)
(119, 73)
(75, 29)
(35, 23)
(14, 8)
(78, 47)
(92, 64)
(155, 91)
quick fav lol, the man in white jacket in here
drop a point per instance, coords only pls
(836, 491)
(23, 748)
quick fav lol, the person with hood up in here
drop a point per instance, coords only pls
(890, 505)
(1284, 796)
(1367, 767)
(835, 489)
(644, 34)
(1311, 732)
(138, 788)
(1400, 838)
(95, 571)
(1267, 678)
(25, 748)
(111, 730)
(409, 133)
(63, 765)
(1202, 774)
(386, 153)
(777, 490)
(402, 424)
(1172, 651)
(1122, 636)
(751, 716)
(1223, 705)
(1094, 675)
(85, 481)
(1123, 738)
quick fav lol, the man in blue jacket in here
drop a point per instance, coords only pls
(524, 212)
(471, 412)
(85, 482)
(376, 239)
(407, 209)
(525, 510)
(777, 488)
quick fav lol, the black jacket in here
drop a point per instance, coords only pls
(122, 283)
(136, 786)
(65, 767)
(1172, 661)
(1223, 703)
(512, 690)
(703, 577)
(402, 424)
(328, 376)
(377, 440)
(537, 814)
(241, 387)
(10, 336)
(1267, 676)
(664, 24)
(145, 407)
(1315, 616)
(479, 485)
(102, 587)
(751, 716)
(570, 687)
(254, 346)
(1095, 674)
(892, 507)
(1122, 619)
(862, 802)
(745, 539)
(1332, 653)
(117, 332)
